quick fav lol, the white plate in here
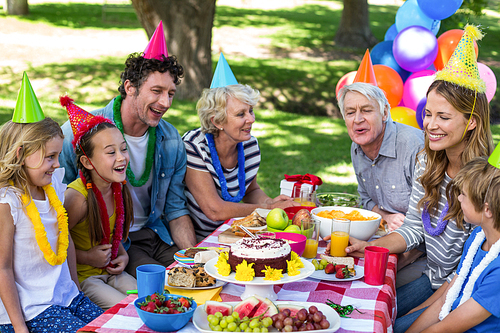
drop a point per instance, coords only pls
(307, 270)
(201, 323)
(321, 275)
(217, 284)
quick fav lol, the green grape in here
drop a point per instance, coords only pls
(218, 314)
(225, 330)
(248, 329)
(264, 330)
(267, 321)
(212, 327)
(243, 326)
(314, 261)
(236, 315)
(217, 328)
(223, 323)
(254, 323)
(256, 330)
(232, 326)
(214, 321)
(229, 319)
(209, 317)
(316, 266)
(323, 262)
(245, 318)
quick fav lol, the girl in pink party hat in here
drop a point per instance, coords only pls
(99, 207)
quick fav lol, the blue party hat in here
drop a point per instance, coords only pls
(223, 75)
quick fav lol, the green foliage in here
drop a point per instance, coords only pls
(468, 12)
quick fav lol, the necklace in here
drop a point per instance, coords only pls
(151, 146)
(426, 219)
(41, 234)
(220, 174)
(120, 216)
(454, 291)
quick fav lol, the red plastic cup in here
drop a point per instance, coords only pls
(376, 259)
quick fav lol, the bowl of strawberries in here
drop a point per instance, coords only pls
(165, 312)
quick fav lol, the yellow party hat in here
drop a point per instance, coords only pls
(462, 69)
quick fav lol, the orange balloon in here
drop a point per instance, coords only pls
(404, 115)
(344, 80)
(390, 82)
(447, 43)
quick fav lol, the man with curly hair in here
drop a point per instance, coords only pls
(157, 166)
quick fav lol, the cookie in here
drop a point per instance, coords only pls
(181, 277)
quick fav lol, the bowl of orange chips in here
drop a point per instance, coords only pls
(364, 223)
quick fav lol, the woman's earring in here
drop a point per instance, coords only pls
(221, 128)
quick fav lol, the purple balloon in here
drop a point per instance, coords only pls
(420, 112)
(415, 48)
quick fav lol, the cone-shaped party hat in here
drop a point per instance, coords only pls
(27, 110)
(365, 71)
(461, 69)
(223, 75)
(494, 158)
(157, 46)
(81, 121)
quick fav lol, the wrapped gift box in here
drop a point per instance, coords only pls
(292, 184)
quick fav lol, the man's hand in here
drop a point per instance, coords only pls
(394, 221)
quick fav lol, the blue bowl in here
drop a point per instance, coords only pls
(163, 322)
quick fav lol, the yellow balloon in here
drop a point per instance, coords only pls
(404, 115)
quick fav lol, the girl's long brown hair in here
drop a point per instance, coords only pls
(478, 142)
(96, 231)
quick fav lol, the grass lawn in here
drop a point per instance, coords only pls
(298, 77)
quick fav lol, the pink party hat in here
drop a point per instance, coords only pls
(157, 46)
(365, 71)
(81, 121)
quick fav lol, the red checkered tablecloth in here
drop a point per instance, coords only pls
(377, 304)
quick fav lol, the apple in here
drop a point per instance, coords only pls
(293, 228)
(302, 217)
(277, 219)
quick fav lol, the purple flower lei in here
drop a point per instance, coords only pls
(220, 174)
(426, 219)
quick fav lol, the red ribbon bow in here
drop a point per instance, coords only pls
(305, 179)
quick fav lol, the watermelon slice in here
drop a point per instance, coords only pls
(293, 309)
(246, 307)
(211, 307)
(265, 308)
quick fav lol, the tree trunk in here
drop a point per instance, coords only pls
(16, 7)
(354, 29)
(188, 30)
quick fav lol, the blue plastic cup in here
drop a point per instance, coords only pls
(150, 279)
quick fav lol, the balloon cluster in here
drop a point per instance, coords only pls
(406, 61)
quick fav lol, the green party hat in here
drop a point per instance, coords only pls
(494, 158)
(27, 110)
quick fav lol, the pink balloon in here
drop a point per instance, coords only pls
(489, 78)
(416, 86)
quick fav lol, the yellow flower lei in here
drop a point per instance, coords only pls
(41, 234)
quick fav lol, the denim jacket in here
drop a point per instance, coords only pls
(168, 201)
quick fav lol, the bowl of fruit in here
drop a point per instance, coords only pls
(338, 199)
(165, 313)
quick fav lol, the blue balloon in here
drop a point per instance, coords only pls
(381, 54)
(415, 48)
(410, 14)
(420, 112)
(391, 33)
(439, 10)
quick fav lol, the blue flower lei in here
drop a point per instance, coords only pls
(426, 219)
(220, 174)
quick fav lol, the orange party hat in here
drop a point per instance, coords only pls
(157, 46)
(365, 71)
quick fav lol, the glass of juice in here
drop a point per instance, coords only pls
(340, 237)
(311, 230)
(305, 196)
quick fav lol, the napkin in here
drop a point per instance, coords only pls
(204, 256)
(200, 296)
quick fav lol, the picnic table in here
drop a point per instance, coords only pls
(376, 304)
